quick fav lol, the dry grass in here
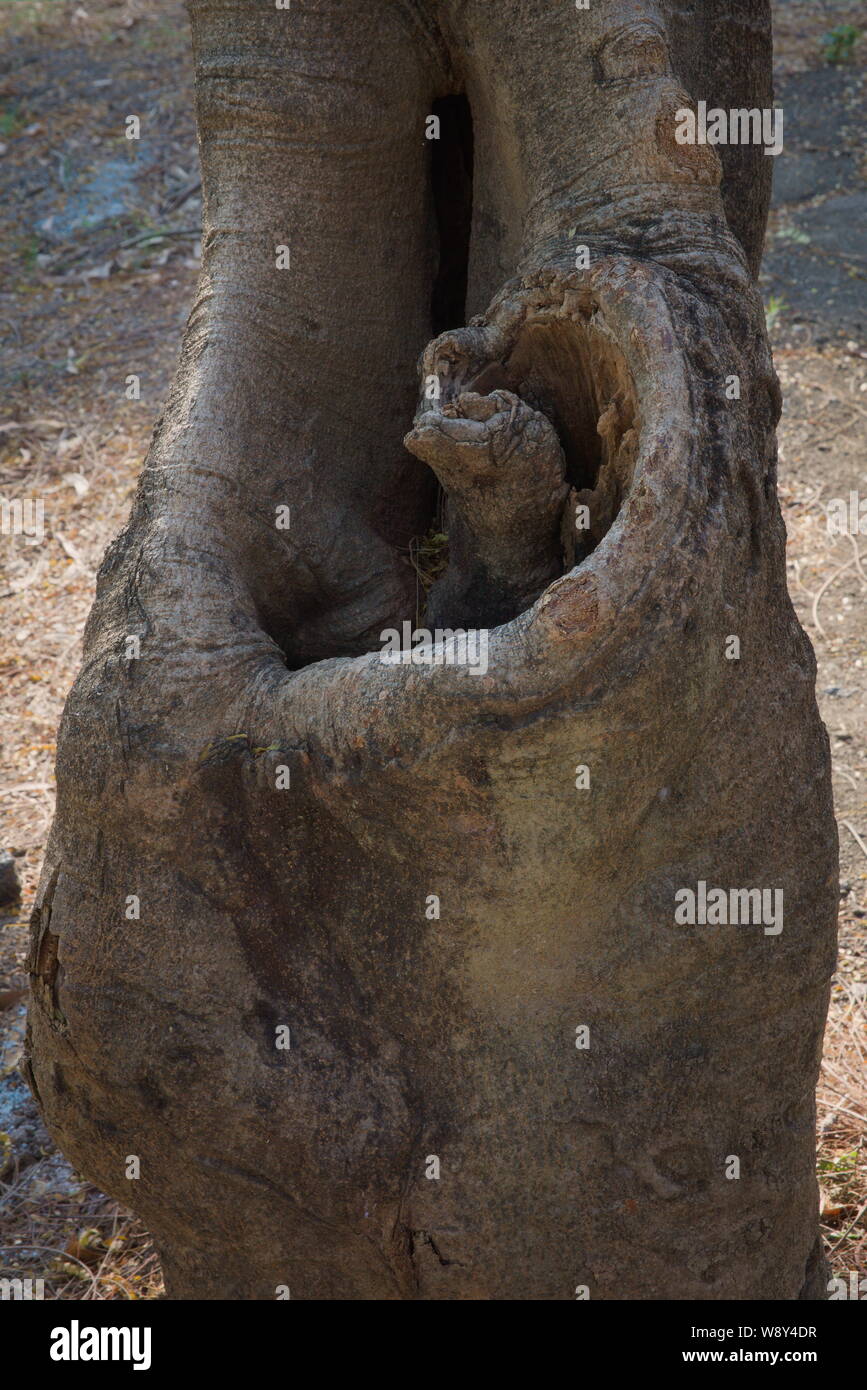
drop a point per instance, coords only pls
(429, 557)
(842, 1112)
(823, 438)
(75, 319)
(80, 1243)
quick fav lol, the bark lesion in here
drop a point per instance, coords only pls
(46, 969)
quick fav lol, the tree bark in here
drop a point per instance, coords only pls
(420, 1032)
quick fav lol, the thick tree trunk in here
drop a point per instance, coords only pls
(450, 1032)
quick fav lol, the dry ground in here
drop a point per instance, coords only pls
(98, 244)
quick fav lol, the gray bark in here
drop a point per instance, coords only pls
(306, 907)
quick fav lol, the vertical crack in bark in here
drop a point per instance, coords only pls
(452, 186)
(46, 971)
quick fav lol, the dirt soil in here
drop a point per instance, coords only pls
(99, 244)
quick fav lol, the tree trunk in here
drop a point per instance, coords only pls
(512, 1069)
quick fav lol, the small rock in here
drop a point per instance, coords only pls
(10, 884)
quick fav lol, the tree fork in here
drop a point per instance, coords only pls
(472, 951)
